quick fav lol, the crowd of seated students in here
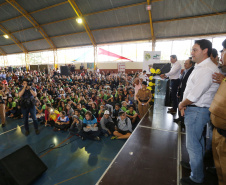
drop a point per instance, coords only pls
(89, 105)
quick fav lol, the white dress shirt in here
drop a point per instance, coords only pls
(175, 71)
(200, 88)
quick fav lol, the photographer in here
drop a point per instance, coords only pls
(27, 95)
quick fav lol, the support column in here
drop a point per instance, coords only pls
(55, 65)
(95, 58)
(153, 44)
(27, 62)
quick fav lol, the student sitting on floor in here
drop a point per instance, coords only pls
(124, 127)
(10, 107)
(77, 113)
(116, 112)
(62, 122)
(107, 124)
(18, 114)
(133, 116)
(49, 118)
(90, 128)
(124, 106)
(76, 126)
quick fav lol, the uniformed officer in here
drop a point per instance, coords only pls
(218, 117)
(143, 97)
(2, 106)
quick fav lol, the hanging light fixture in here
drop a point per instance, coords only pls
(6, 36)
(79, 20)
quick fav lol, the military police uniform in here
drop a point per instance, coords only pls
(143, 96)
(218, 118)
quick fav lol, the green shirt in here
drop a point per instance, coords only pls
(124, 109)
(133, 113)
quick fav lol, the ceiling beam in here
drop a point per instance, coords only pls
(71, 18)
(190, 17)
(14, 39)
(32, 21)
(86, 26)
(48, 7)
(2, 51)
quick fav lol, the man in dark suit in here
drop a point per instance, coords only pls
(188, 68)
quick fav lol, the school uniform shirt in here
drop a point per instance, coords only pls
(124, 125)
(200, 88)
(65, 119)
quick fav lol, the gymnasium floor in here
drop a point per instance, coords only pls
(158, 145)
(79, 162)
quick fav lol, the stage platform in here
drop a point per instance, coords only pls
(152, 154)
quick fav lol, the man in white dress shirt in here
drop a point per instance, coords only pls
(173, 75)
(198, 95)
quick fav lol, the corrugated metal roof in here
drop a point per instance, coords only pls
(33, 5)
(7, 12)
(36, 45)
(12, 49)
(17, 24)
(126, 16)
(132, 22)
(65, 27)
(123, 34)
(27, 35)
(72, 40)
(54, 14)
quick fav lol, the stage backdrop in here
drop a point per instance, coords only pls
(150, 57)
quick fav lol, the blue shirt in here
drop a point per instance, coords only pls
(90, 122)
(27, 93)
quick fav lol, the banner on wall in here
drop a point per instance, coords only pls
(90, 66)
(150, 57)
(121, 67)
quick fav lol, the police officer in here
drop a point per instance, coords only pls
(27, 95)
(218, 117)
(2, 106)
(143, 97)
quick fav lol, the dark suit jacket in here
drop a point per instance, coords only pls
(183, 83)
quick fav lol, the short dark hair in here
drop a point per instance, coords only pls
(224, 43)
(174, 56)
(190, 61)
(214, 53)
(203, 43)
(77, 110)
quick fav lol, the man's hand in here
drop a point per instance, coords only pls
(218, 77)
(182, 109)
(163, 76)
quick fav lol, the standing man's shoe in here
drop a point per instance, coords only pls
(188, 181)
(172, 111)
(185, 165)
(27, 132)
(3, 125)
(37, 132)
(176, 120)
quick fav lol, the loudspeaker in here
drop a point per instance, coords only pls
(10, 69)
(164, 67)
(64, 70)
(22, 167)
(72, 69)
